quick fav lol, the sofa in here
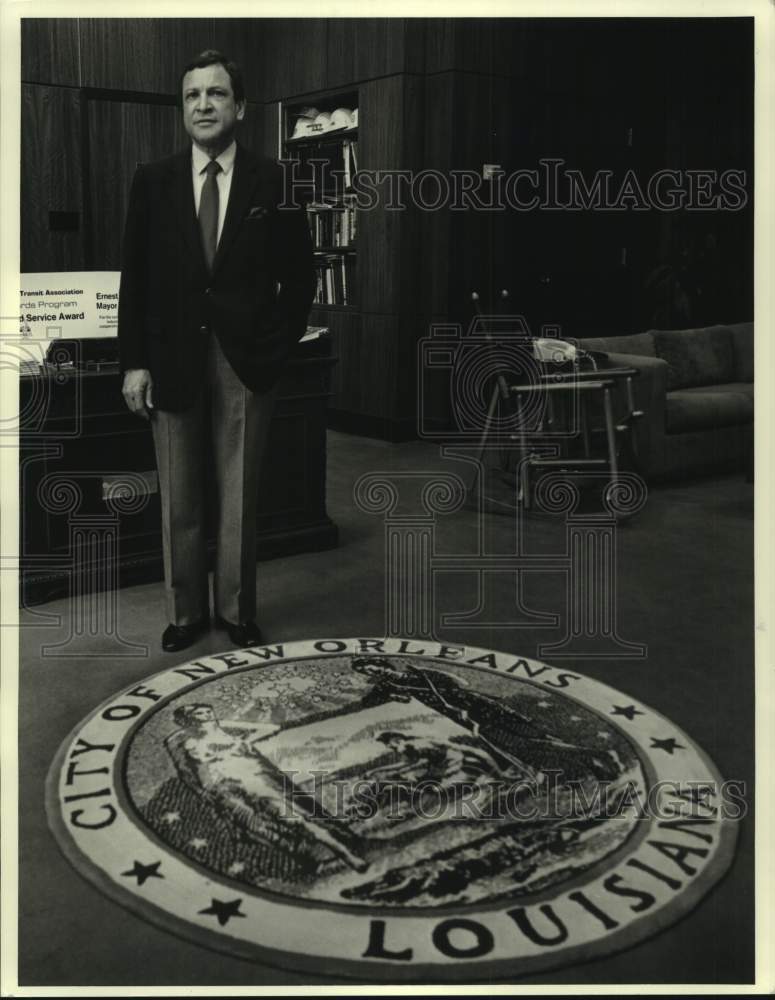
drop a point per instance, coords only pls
(695, 388)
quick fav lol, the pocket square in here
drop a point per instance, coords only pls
(257, 212)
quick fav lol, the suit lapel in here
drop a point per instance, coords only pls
(242, 184)
(185, 210)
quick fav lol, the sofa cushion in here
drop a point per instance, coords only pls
(696, 357)
(706, 407)
(636, 343)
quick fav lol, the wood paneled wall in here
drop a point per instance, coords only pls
(600, 95)
(367, 48)
(51, 179)
(293, 57)
(280, 58)
(50, 51)
(445, 94)
(302, 57)
(144, 55)
(121, 136)
(381, 147)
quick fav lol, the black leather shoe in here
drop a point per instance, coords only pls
(244, 634)
(176, 637)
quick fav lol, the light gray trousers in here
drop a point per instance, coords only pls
(233, 422)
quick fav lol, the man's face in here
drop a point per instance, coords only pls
(210, 113)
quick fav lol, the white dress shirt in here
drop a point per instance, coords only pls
(199, 161)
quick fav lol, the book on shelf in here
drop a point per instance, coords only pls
(332, 224)
(330, 167)
(335, 280)
(327, 161)
(349, 161)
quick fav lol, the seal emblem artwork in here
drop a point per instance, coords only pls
(391, 810)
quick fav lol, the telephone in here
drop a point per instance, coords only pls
(557, 351)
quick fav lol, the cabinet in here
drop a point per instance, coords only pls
(89, 495)
(373, 304)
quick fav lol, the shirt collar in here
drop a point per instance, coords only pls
(200, 159)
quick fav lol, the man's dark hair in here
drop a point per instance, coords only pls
(212, 57)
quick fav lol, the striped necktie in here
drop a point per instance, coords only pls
(208, 212)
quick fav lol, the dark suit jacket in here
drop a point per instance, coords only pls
(168, 301)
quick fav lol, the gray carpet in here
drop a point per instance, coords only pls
(685, 589)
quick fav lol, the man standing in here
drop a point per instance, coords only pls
(216, 283)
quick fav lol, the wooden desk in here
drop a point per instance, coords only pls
(89, 503)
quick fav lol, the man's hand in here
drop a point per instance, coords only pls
(137, 391)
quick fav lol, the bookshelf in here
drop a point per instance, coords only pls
(322, 137)
(375, 328)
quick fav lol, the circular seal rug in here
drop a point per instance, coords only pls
(389, 809)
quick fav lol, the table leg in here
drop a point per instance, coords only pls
(479, 472)
(584, 428)
(632, 414)
(610, 433)
(524, 481)
(630, 397)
